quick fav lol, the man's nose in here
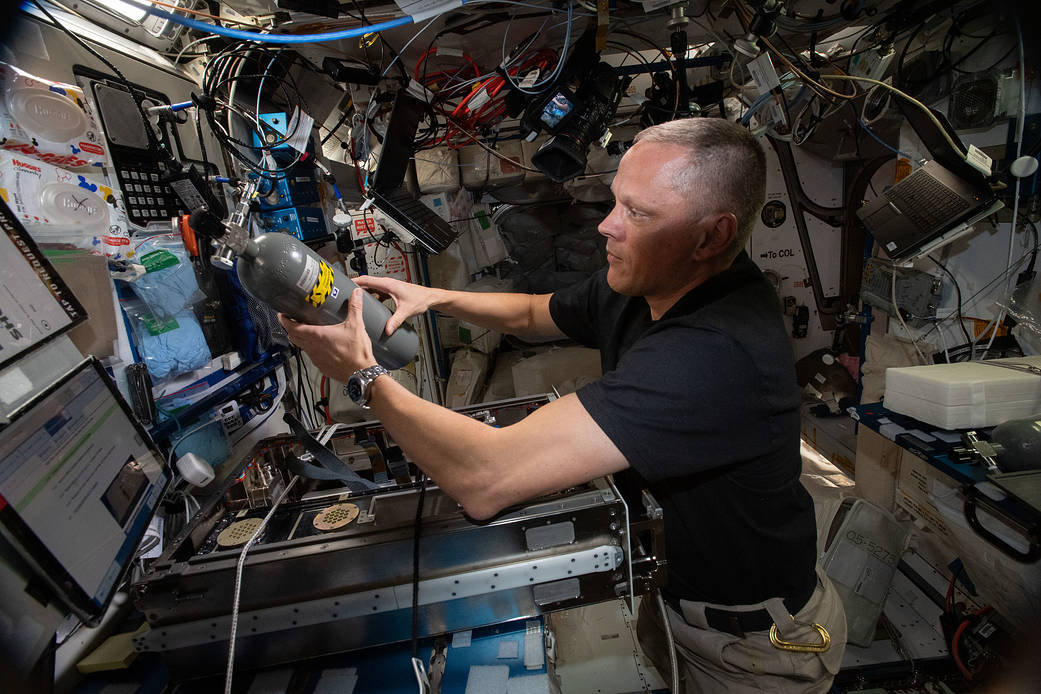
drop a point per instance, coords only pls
(609, 227)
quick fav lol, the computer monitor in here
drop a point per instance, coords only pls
(80, 479)
(35, 304)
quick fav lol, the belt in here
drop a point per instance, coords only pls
(738, 623)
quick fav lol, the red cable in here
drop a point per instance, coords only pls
(954, 650)
(321, 395)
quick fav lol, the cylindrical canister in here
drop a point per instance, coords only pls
(281, 271)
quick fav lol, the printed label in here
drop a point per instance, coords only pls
(158, 260)
(322, 286)
(309, 275)
(156, 326)
(187, 193)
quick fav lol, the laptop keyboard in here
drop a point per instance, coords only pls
(437, 233)
(926, 201)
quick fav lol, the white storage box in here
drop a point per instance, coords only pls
(965, 395)
(482, 169)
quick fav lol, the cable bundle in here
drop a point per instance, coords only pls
(223, 82)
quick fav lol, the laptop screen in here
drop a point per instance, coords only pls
(79, 482)
(939, 148)
(397, 143)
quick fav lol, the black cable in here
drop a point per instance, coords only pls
(415, 563)
(312, 400)
(1004, 274)
(202, 142)
(346, 114)
(898, 76)
(213, 79)
(989, 67)
(306, 415)
(393, 53)
(957, 289)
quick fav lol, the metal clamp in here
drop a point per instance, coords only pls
(821, 647)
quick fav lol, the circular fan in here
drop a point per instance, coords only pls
(973, 101)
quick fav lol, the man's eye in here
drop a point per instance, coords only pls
(633, 213)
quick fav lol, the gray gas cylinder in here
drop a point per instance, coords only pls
(1019, 444)
(281, 271)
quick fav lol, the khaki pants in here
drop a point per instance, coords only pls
(714, 661)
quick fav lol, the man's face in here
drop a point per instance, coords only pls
(651, 233)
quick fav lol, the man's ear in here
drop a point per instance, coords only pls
(720, 232)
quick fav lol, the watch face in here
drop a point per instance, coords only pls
(354, 389)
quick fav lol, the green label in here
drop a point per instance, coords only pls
(482, 218)
(156, 326)
(464, 335)
(158, 260)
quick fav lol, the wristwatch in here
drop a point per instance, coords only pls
(360, 383)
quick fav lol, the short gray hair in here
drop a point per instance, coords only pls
(727, 165)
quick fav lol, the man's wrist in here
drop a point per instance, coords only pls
(359, 384)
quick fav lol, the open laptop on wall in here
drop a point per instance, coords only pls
(925, 206)
(389, 192)
(936, 204)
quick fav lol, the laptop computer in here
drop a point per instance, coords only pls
(389, 191)
(927, 205)
(937, 203)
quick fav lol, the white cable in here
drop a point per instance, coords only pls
(896, 309)
(536, 88)
(674, 670)
(401, 50)
(1015, 205)
(280, 379)
(238, 584)
(260, 91)
(189, 45)
(422, 681)
(328, 433)
(179, 441)
(943, 343)
(925, 109)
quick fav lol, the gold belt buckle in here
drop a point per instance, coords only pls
(821, 647)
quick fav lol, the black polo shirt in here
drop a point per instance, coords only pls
(704, 405)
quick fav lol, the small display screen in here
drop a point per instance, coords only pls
(79, 482)
(35, 305)
(556, 110)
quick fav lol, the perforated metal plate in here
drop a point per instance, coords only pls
(238, 533)
(335, 516)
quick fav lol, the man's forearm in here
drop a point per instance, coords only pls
(487, 469)
(524, 315)
(451, 448)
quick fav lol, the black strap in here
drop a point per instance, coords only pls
(329, 466)
(739, 623)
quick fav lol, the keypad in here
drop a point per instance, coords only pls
(147, 198)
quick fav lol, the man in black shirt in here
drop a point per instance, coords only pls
(698, 404)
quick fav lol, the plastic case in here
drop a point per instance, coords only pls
(861, 562)
(965, 395)
(51, 200)
(481, 169)
(50, 121)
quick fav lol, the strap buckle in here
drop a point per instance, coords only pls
(823, 646)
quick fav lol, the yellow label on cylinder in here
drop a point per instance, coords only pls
(322, 286)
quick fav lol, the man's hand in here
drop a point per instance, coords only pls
(409, 299)
(337, 350)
